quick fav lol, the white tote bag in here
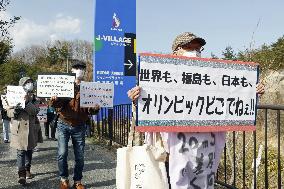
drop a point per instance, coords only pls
(141, 167)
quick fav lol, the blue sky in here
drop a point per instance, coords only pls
(220, 22)
(45, 20)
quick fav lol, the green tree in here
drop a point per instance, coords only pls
(64, 49)
(53, 55)
(6, 24)
(277, 50)
(10, 73)
(5, 50)
(229, 53)
(270, 57)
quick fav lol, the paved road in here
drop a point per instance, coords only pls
(99, 171)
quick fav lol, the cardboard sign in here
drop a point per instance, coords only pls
(60, 85)
(181, 94)
(16, 96)
(92, 93)
(42, 114)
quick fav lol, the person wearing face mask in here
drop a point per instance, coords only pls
(182, 167)
(24, 131)
(71, 123)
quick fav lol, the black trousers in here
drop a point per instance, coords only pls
(46, 129)
(50, 117)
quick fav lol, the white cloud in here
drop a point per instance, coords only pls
(59, 15)
(26, 32)
(4, 15)
(62, 24)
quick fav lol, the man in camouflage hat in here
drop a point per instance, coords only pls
(196, 166)
(188, 43)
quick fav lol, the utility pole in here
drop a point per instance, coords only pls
(68, 60)
(67, 65)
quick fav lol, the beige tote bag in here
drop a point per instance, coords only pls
(141, 167)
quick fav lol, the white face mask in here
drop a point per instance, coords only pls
(29, 87)
(79, 73)
(192, 54)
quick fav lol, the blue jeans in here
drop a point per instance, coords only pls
(24, 159)
(77, 135)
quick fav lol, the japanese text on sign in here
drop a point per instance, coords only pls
(196, 93)
(110, 77)
(198, 169)
(92, 93)
(16, 96)
(55, 85)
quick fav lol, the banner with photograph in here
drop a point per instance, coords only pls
(42, 114)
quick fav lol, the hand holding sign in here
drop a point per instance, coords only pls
(260, 89)
(97, 107)
(134, 93)
(53, 98)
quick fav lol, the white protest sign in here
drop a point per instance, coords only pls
(4, 101)
(55, 85)
(16, 95)
(42, 114)
(195, 94)
(92, 93)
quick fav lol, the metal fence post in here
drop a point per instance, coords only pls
(247, 173)
(98, 126)
(110, 125)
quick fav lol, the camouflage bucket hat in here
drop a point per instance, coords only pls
(24, 80)
(185, 38)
